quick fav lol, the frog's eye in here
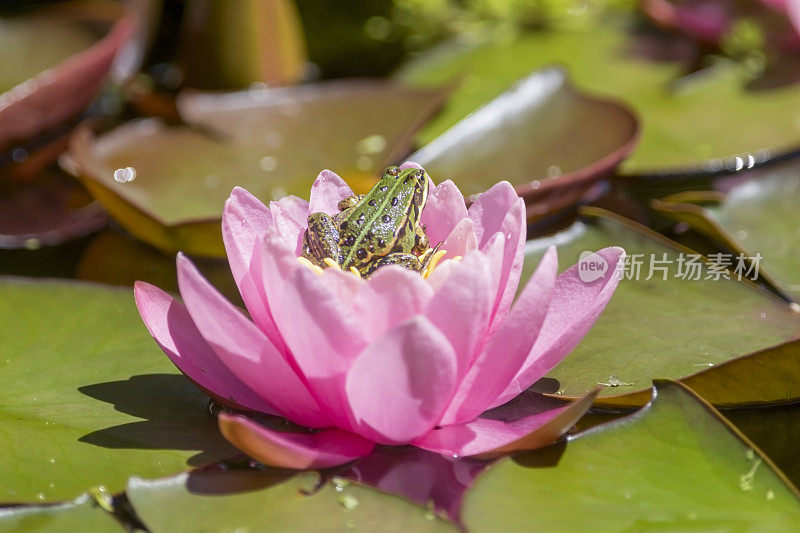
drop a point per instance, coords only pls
(393, 171)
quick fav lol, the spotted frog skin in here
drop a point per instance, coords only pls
(379, 228)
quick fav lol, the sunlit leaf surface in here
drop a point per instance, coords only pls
(88, 397)
(674, 466)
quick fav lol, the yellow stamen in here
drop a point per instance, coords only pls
(331, 263)
(433, 262)
(309, 264)
(355, 272)
(457, 258)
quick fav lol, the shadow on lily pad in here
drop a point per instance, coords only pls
(173, 413)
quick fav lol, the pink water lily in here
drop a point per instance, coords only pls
(393, 359)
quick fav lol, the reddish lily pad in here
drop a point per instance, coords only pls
(547, 138)
(690, 123)
(54, 63)
(272, 142)
(37, 214)
(670, 328)
(676, 465)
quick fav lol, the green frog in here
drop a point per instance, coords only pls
(375, 229)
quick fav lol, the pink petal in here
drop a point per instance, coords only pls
(508, 348)
(323, 335)
(488, 438)
(445, 208)
(462, 240)
(171, 326)
(301, 451)
(326, 192)
(291, 220)
(245, 350)
(399, 386)
(461, 309)
(411, 164)
(575, 307)
(245, 220)
(392, 295)
(489, 210)
(514, 228)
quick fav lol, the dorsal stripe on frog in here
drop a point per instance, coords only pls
(365, 225)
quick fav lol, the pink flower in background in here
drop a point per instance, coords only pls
(393, 359)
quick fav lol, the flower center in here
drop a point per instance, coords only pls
(425, 272)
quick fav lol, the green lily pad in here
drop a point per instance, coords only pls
(776, 431)
(688, 123)
(676, 465)
(667, 328)
(275, 501)
(757, 217)
(272, 142)
(54, 62)
(83, 514)
(88, 398)
(550, 140)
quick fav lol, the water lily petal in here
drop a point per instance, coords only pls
(400, 384)
(392, 295)
(489, 210)
(326, 192)
(487, 438)
(290, 214)
(508, 348)
(575, 307)
(462, 240)
(301, 451)
(244, 221)
(445, 208)
(411, 164)
(321, 332)
(461, 308)
(514, 228)
(245, 350)
(171, 326)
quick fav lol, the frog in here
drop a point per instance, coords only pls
(382, 227)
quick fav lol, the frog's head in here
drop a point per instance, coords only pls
(412, 179)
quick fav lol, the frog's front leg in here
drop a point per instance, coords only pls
(349, 201)
(421, 242)
(321, 239)
(409, 261)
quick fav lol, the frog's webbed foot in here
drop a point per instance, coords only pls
(349, 201)
(427, 256)
(409, 261)
(321, 239)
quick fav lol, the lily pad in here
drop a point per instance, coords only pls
(676, 465)
(275, 501)
(550, 140)
(667, 328)
(88, 398)
(83, 514)
(272, 142)
(46, 213)
(54, 62)
(689, 123)
(759, 216)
